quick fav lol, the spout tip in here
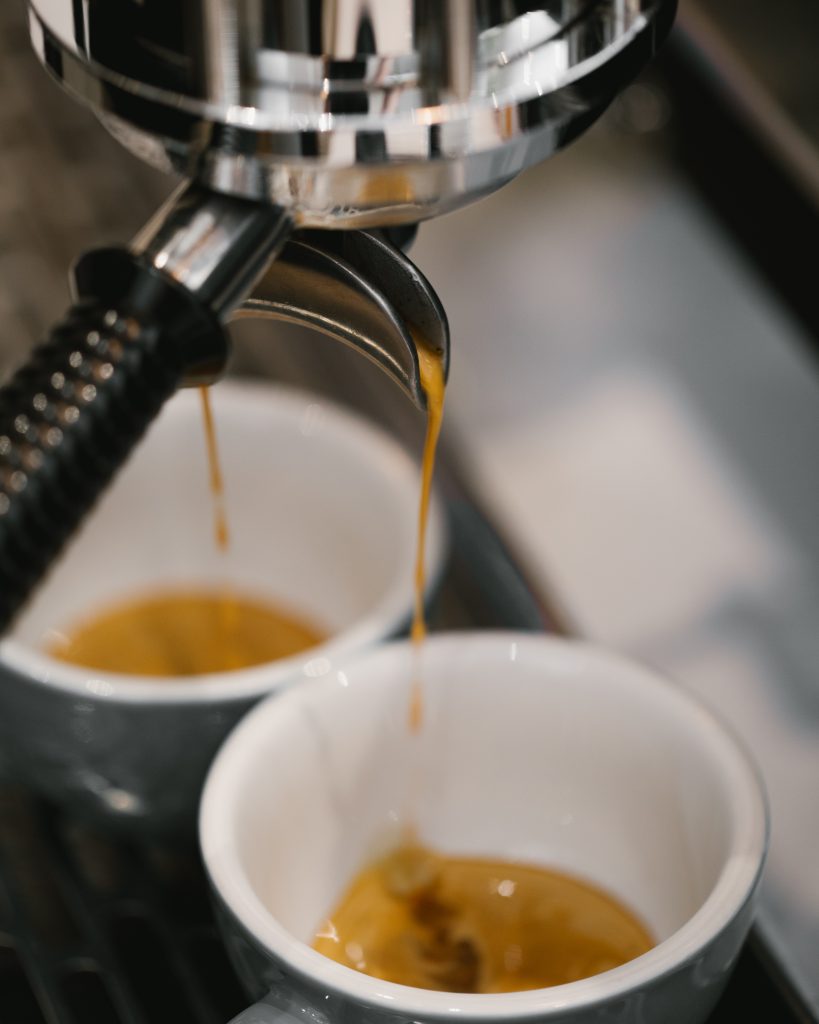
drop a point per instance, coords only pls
(359, 289)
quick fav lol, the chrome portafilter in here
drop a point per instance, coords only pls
(307, 131)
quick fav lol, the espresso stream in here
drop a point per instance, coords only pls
(431, 367)
(221, 532)
(460, 924)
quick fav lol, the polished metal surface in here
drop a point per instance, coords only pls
(345, 112)
(357, 288)
(339, 113)
(353, 286)
(213, 245)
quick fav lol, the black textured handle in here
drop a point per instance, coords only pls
(70, 416)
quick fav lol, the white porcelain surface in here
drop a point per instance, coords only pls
(322, 510)
(534, 749)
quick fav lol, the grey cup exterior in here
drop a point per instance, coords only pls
(685, 994)
(126, 764)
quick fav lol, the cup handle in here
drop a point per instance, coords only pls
(281, 1007)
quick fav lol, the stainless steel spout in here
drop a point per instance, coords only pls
(351, 285)
(359, 289)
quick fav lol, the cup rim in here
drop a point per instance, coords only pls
(733, 889)
(395, 465)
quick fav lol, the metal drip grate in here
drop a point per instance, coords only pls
(96, 930)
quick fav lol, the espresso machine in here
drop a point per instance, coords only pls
(312, 136)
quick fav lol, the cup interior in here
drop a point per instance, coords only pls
(321, 508)
(532, 749)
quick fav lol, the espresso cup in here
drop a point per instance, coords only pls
(532, 749)
(322, 511)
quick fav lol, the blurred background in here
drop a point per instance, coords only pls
(634, 397)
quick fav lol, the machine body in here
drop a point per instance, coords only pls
(347, 113)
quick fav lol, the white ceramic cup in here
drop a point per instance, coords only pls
(322, 509)
(533, 749)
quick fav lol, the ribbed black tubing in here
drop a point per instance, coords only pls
(70, 417)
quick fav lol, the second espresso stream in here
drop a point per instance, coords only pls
(458, 924)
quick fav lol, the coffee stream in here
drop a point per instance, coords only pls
(221, 532)
(459, 924)
(228, 619)
(430, 363)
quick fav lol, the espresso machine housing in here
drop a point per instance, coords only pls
(311, 135)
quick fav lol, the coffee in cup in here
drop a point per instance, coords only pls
(477, 924)
(534, 751)
(185, 633)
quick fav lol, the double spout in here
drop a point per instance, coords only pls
(151, 318)
(355, 286)
(358, 288)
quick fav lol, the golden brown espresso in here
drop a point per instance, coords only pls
(431, 366)
(182, 633)
(471, 925)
